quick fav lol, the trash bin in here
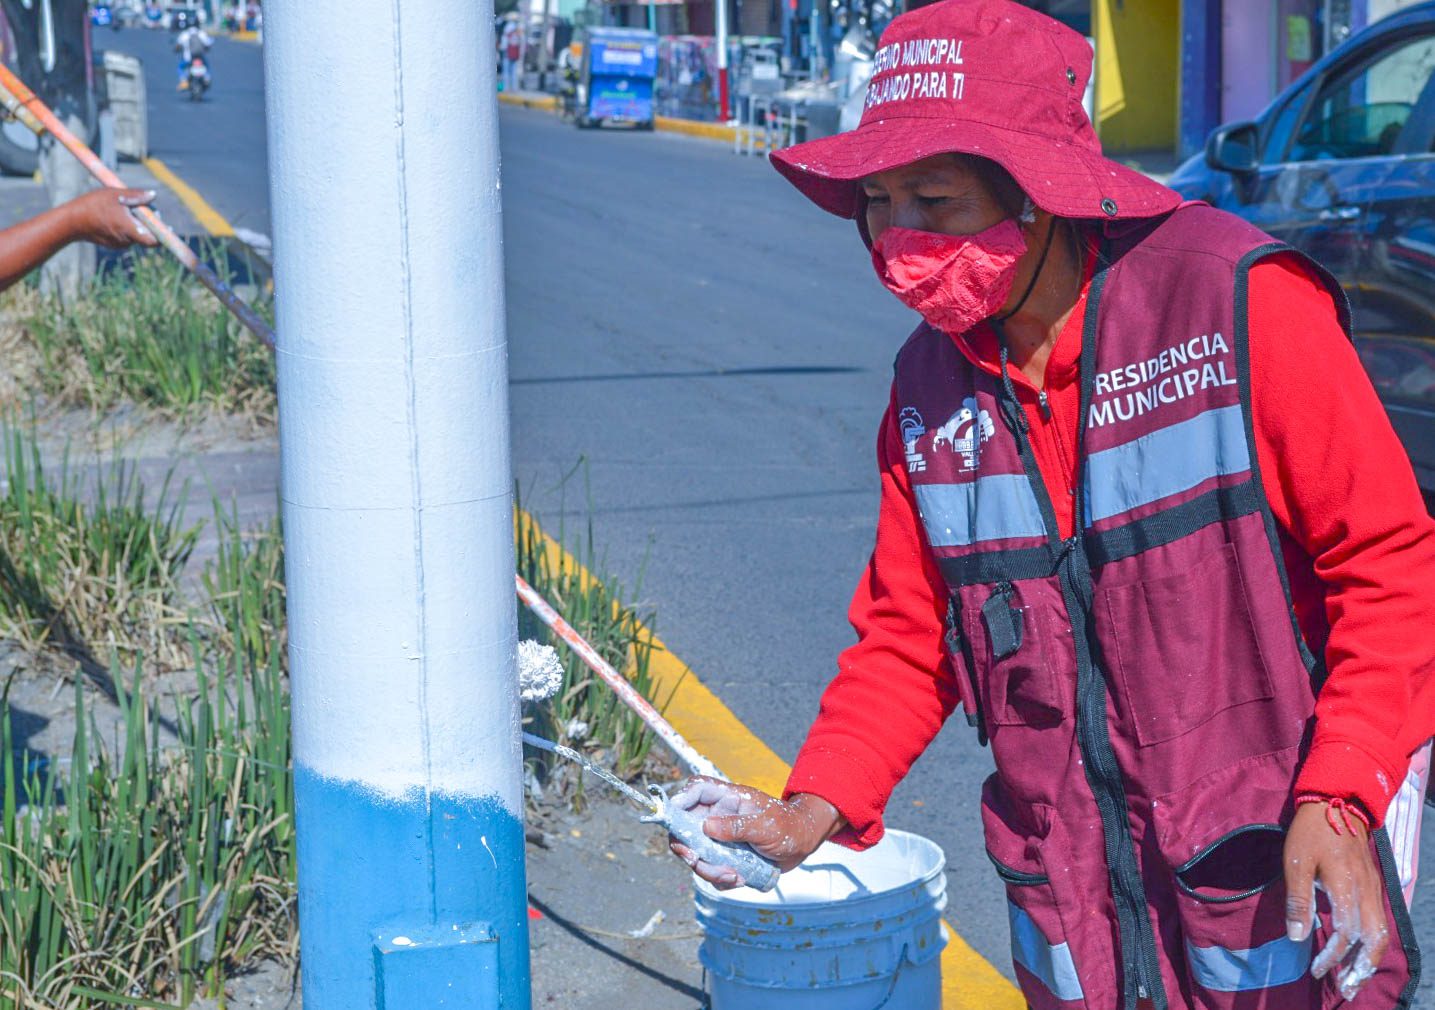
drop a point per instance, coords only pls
(124, 92)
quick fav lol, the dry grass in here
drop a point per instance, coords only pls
(147, 336)
(91, 571)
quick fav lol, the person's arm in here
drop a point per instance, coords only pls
(895, 687)
(101, 216)
(1360, 549)
(893, 691)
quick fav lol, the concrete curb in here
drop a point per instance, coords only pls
(668, 124)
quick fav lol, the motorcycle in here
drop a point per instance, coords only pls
(198, 79)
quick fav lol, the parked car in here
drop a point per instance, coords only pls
(1342, 166)
(101, 16)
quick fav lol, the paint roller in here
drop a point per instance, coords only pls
(540, 673)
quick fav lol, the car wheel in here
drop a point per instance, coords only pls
(16, 156)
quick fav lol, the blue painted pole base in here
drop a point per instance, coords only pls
(454, 968)
(374, 869)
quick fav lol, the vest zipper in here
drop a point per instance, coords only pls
(1043, 403)
(1138, 942)
(1137, 950)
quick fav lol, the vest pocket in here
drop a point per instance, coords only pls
(1185, 647)
(1007, 643)
(1041, 953)
(1223, 838)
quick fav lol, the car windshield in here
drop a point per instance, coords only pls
(1360, 113)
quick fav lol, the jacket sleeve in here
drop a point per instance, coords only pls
(1356, 537)
(895, 687)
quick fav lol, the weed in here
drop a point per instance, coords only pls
(585, 712)
(88, 572)
(150, 871)
(244, 587)
(150, 336)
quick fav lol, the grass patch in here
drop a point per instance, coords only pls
(161, 857)
(92, 570)
(149, 335)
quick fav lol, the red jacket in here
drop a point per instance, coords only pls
(1358, 545)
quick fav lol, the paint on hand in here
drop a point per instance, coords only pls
(540, 671)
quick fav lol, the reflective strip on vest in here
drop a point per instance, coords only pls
(1051, 964)
(1000, 507)
(1166, 462)
(1279, 962)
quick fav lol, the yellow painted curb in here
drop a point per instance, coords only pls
(245, 37)
(670, 124)
(209, 218)
(969, 982)
(696, 128)
(548, 103)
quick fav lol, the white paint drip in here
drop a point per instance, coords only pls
(484, 840)
(540, 671)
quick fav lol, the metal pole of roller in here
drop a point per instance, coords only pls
(397, 505)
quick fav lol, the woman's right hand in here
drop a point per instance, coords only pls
(785, 832)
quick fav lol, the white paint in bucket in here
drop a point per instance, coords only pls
(844, 931)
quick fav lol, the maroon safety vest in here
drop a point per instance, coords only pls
(1145, 687)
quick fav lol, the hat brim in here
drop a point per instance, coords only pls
(1061, 178)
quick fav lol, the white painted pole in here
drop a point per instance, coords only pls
(383, 147)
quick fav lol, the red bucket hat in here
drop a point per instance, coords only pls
(983, 77)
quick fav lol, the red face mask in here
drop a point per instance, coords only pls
(954, 281)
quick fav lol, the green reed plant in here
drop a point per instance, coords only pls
(151, 336)
(90, 565)
(154, 865)
(597, 607)
(244, 589)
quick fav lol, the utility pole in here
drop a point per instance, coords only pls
(397, 507)
(724, 105)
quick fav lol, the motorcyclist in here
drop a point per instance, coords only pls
(191, 44)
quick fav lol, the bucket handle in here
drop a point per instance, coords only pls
(891, 986)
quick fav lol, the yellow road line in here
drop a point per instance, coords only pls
(209, 218)
(969, 982)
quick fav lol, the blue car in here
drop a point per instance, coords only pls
(1342, 166)
(101, 16)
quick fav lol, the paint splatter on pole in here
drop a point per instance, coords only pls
(383, 147)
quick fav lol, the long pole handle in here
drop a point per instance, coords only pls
(24, 105)
(629, 695)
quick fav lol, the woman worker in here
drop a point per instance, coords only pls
(1144, 518)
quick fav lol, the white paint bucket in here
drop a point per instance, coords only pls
(844, 931)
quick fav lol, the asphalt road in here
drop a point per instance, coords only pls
(699, 360)
(217, 145)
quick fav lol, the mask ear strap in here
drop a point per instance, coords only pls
(1036, 274)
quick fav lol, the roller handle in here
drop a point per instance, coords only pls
(687, 827)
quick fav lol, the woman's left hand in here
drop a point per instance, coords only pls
(1338, 861)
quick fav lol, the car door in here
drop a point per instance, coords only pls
(1395, 332)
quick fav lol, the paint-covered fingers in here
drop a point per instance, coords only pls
(1374, 934)
(784, 832)
(106, 217)
(724, 878)
(1332, 853)
(711, 797)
